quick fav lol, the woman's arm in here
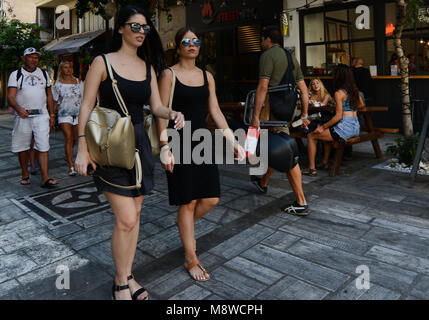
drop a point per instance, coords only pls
(157, 107)
(96, 74)
(164, 91)
(220, 120)
(340, 97)
(215, 111)
(326, 99)
(166, 157)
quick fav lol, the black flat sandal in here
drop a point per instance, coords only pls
(118, 288)
(139, 291)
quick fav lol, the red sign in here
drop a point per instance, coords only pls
(228, 16)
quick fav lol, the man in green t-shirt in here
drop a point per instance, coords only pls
(272, 67)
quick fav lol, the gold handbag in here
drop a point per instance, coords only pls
(150, 121)
(110, 137)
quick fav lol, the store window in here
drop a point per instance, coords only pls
(342, 40)
(415, 39)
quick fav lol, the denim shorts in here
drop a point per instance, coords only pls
(347, 127)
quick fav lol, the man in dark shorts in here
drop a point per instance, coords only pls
(272, 67)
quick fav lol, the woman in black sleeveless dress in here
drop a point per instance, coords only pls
(136, 59)
(194, 187)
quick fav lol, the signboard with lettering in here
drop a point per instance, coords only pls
(217, 14)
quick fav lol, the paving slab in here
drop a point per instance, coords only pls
(400, 241)
(290, 288)
(381, 273)
(254, 270)
(323, 277)
(375, 292)
(241, 242)
(421, 290)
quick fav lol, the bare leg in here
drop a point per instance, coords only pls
(185, 224)
(43, 163)
(327, 147)
(134, 286)
(33, 154)
(295, 180)
(311, 151)
(266, 177)
(23, 161)
(124, 239)
(68, 142)
(203, 206)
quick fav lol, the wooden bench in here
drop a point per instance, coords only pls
(339, 147)
(368, 133)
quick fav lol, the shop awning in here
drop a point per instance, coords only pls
(73, 43)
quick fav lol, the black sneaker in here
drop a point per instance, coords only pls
(257, 182)
(296, 209)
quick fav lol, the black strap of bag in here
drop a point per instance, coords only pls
(283, 97)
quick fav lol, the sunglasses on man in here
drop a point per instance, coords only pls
(136, 27)
(186, 42)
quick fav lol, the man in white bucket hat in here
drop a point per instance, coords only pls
(29, 91)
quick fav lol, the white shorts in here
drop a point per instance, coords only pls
(68, 119)
(25, 129)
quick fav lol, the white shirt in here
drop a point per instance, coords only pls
(33, 94)
(69, 98)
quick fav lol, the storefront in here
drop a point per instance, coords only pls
(231, 35)
(337, 32)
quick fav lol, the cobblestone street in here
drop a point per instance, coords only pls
(364, 216)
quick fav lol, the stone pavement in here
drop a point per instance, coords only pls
(364, 217)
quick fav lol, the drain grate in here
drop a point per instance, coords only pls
(62, 206)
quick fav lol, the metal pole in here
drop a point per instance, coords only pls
(419, 151)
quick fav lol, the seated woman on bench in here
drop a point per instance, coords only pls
(318, 93)
(343, 125)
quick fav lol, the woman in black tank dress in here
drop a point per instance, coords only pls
(193, 187)
(136, 59)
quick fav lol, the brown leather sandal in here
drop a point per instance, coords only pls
(197, 263)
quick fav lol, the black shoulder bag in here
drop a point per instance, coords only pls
(283, 97)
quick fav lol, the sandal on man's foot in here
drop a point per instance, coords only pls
(310, 172)
(118, 288)
(72, 172)
(25, 181)
(49, 184)
(138, 292)
(194, 264)
(322, 166)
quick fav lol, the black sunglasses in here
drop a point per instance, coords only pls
(186, 42)
(135, 27)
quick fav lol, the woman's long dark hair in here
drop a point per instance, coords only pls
(151, 51)
(344, 79)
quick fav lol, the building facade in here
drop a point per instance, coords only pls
(23, 10)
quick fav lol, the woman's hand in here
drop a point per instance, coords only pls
(83, 159)
(167, 159)
(239, 152)
(179, 119)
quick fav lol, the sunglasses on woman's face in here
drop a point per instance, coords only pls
(135, 27)
(186, 42)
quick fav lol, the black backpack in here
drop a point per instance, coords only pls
(284, 96)
(19, 75)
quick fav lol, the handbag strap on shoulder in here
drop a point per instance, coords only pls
(121, 102)
(173, 86)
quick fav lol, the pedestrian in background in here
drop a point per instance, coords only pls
(29, 91)
(67, 92)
